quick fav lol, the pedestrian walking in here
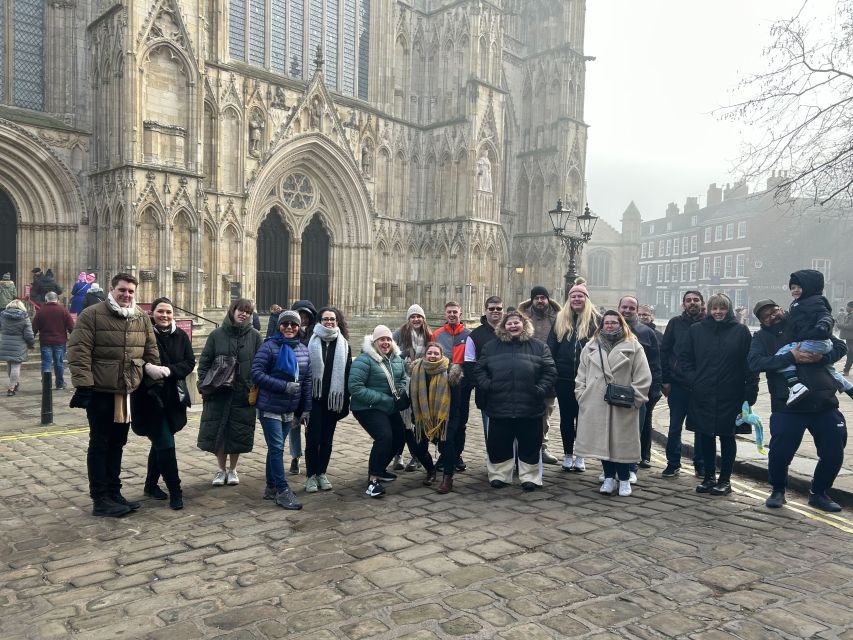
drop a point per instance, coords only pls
(542, 312)
(676, 387)
(608, 431)
(575, 325)
(43, 285)
(713, 359)
(94, 295)
(52, 323)
(818, 412)
(282, 371)
(8, 292)
(452, 336)
(845, 332)
(113, 343)
(435, 389)
(227, 420)
(331, 361)
(515, 372)
(159, 405)
(412, 338)
(647, 316)
(377, 378)
(16, 336)
(79, 291)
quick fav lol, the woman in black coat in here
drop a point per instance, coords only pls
(713, 360)
(515, 373)
(160, 408)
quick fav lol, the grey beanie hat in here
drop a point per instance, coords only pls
(289, 316)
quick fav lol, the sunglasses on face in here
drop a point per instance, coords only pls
(496, 308)
(290, 324)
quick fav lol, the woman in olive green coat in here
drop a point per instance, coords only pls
(227, 420)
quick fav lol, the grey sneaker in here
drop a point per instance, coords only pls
(218, 478)
(311, 485)
(324, 483)
(287, 500)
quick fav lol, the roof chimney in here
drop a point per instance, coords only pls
(691, 205)
(715, 194)
(672, 210)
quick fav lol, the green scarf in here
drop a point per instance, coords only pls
(430, 401)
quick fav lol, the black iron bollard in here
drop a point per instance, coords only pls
(46, 398)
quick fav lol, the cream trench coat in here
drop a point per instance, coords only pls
(606, 432)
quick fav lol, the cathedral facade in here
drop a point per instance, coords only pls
(369, 153)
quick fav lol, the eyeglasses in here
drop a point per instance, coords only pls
(290, 324)
(328, 319)
(495, 309)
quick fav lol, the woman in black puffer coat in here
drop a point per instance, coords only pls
(515, 373)
(713, 360)
(159, 410)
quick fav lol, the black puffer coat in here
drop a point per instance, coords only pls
(515, 374)
(810, 317)
(151, 403)
(713, 358)
(567, 352)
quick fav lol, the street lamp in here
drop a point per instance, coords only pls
(573, 239)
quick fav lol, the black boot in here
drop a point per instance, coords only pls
(707, 484)
(168, 464)
(152, 489)
(106, 508)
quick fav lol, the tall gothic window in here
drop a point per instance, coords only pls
(283, 35)
(22, 53)
(599, 269)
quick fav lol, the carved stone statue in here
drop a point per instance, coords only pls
(484, 173)
(256, 130)
(365, 161)
(280, 101)
(316, 114)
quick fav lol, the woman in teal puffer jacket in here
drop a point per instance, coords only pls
(372, 402)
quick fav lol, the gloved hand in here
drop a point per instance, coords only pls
(153, 371)
(166, 371)
(81, 398)
(292, 388)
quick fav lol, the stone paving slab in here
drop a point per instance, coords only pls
(562, 562)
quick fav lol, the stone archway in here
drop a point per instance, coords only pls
(272, 263)
(314, 275)
(9, 237)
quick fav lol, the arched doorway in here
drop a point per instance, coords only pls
(9, 237)
(314, 279)
(273, 261)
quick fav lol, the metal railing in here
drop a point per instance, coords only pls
(195, 315)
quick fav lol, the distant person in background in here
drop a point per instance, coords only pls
(272, 323)
(53, 323)
(94, 295)
(43, 285)
(78, 292)
(16, 336)
(845, 332)
(7, 290)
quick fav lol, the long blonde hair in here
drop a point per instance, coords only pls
(564, 323)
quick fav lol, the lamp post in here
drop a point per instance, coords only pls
(573, 239)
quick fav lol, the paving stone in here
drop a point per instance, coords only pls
(418, 614)
(461, 626)
(672, 624)
(786, 621)
(607, 613)
(727, 578)
(241, 617)
(364, 629)
(468, 600)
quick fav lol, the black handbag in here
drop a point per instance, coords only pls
(220, 376)
(183, 393)
(616, 395)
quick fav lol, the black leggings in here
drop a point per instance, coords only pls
(388, 431)
(319, 435)
(728, 451)
(568, 414)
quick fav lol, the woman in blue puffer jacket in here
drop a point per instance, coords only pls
(282, 371)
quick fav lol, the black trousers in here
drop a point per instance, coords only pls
(728, 451)
(849, 360)
(106, 446)
(460, 417)
(646, 431)
(503, 432)
(568, 414)
(319, 435)
(388, 432)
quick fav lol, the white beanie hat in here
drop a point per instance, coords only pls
(415, 309)
(381, 331)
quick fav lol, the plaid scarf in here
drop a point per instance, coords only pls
(430, 399)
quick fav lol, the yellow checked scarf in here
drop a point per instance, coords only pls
(430, 402)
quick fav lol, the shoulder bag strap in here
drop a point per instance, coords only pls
(601, 357)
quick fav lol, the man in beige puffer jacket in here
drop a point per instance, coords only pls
(112, 345)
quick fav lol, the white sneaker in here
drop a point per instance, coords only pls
(796, 392)
(231, 477)
(624, 488)
(608, 486)
(580, 465)
(601, 477)
(632, 477)
(567, 463)
(218, 478)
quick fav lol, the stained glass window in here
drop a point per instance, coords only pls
(298, 191)
(3, 54)
(331, 46)
(257, 28)
(364, 49)
(237, 30)
(278, 31)
(297, 32)
(27, 50)
(315, 28)
(349, 62)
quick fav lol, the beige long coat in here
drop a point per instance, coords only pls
(606, 432)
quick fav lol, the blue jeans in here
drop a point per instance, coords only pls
(53, 354)
(295, 440)
(678, 401)
(275, 431)
(813, 346)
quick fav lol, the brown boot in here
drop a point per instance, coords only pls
(446, 485)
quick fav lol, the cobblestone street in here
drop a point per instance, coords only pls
(562, 562)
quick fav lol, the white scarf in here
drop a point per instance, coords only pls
(335, 399)
(418, 346)
(124, 312)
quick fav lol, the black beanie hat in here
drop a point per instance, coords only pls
(539, 290)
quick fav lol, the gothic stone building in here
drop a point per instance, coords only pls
(372, 153)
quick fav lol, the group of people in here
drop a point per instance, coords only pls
(411, 387)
